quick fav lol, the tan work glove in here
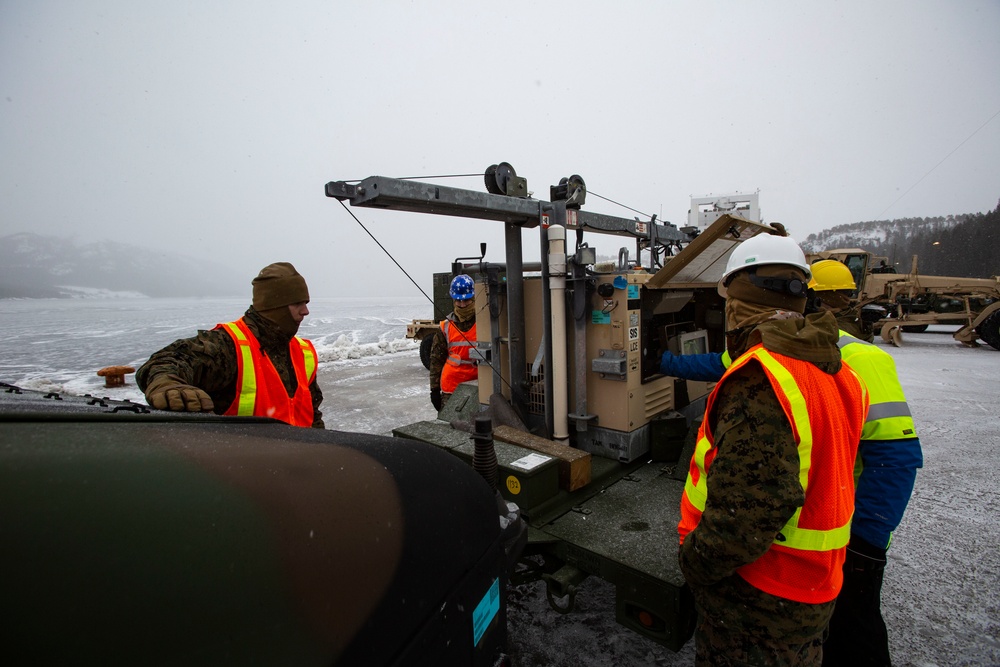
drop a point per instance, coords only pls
(167, 393)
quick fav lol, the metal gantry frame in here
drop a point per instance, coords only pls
(517, 213)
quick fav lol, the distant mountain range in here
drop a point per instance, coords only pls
(36, 266)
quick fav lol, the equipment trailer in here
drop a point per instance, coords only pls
(572, 349)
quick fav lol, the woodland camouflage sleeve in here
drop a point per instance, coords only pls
(753, 481)
(439, 355)
(317, 399)
(207, 361)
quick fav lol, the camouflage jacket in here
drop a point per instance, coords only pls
(754, 480)
(439, 350)
(754, 490)
(208, 361)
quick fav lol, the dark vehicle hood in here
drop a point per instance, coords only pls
(144, 537)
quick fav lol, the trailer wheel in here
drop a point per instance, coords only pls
(915, 328)
(425, 350)
(989, 330)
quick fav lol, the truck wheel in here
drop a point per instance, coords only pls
(989, 330)
(425, 351)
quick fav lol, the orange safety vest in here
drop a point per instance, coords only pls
(458, 368)
(259, 389)
(826, 413)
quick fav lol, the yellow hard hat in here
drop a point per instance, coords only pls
(829, 274)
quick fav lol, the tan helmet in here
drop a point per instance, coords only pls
(829, 274)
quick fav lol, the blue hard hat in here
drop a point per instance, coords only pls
(462, 288)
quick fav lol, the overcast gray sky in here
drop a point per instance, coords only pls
(210, 128)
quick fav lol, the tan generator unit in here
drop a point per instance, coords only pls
(629, 317)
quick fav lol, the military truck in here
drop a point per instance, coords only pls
(422, 330)
(591, 440)
(910, 302)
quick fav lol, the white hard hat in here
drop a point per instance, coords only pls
(766, 249)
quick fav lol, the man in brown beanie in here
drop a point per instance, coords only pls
(255, 365)
(767, 506)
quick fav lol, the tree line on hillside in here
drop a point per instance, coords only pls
(964, 246)
(966, 250)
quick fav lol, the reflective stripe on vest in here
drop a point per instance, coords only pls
(308, 357)
(458, 367)
(889, 415)
(246, 381)
(455, 351)
(259, 389)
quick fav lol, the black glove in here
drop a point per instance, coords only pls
(436, 399)
(863, 556)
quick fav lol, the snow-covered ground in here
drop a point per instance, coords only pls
(941, 597)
